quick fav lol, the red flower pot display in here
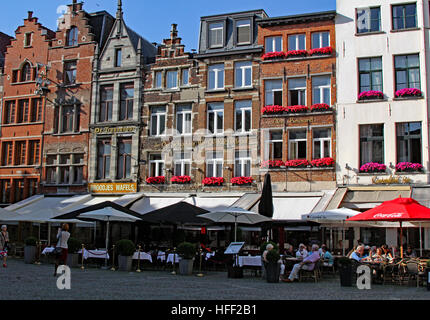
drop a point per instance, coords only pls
(297, 164)
(180, 179)
(274, 55)
(320, 107)
(297, 53)
(323, 163)
(372, 94)
(272, 164)
(156, 180)
(240, 181)
(213, 181)
(373, 167)
(409, 92)
(297, 109)
(273, 110)
(409, 167)
(321, 51)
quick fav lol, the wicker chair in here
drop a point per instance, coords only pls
(413, 272)
(329, 269)
(311, 274)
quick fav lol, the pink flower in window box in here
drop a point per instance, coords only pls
(156, 180)
(409, 92)
(297, 53)
(240, 181)
(213, 181)
(273, 110)
(373, 167)
(320, 107)
(372, 94)
(180, 179)
(323, 163)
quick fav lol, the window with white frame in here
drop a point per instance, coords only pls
(320, 39)
(242, 164)
(216, 118)
(243, 72)
(182, 162)
(321, 143)
(214, 164)
(273, 44)
(158, 121)
(297, 144)
(321, 89)
(243, 116)
(297, 91)
(183, 119)
(274, 145)
(297, 42)
(216, 77)
(243, 29)
(273, 92)
(185, 77)
(156, 165)
(172, 79)
(216, 35)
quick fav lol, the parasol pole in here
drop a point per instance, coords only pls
(401, 240)
(421, 241)
(235, 228)
(343, 237)
(107, 241)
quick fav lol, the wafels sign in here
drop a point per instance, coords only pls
(113, 188)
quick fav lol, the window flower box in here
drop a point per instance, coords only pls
(213, 181)
(373, 167)
(321, 51)
(409, 167)
(320, 107)
(242, 181)
(181, 180)
(370, 95)
(323, 163)
(297, 109)
(268, 110)
(156, 180)
(297, 53)
(409, 92)
(274, 55)
(272, 164)
(296, 164)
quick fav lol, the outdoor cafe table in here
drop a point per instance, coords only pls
(170, 258)
(95, 254)
(142, 256)
(249, 261)
(48, 250)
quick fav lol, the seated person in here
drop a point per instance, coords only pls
(358, 254)
(377, 256)
(302, 252)
(326, 256)
(410, 253)
(307, 264)
(290, 251)
(386, 254)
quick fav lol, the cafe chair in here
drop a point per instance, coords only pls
(326, 267)
(311, 274)
(413, 272)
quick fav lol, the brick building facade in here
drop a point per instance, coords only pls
(298, 95)
(23, 111)
(67, 116)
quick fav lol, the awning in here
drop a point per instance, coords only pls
(212, 203)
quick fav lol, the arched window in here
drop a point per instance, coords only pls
(72, 37)
(26, 72)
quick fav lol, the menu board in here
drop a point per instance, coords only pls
(234, 248)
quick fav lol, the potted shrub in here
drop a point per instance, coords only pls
(73, 256)
(187, 251)
(273, 266)
(345, 271)
(126, 249)
(30, 250)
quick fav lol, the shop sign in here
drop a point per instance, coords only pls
(112, 130)
(112, 188)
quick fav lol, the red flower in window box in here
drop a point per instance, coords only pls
(323, 163)
(297, 164)
(240, 181)
(297, 53)
(373, 167)
(273, 110)
(213, 181)
(297, 109)
(409, 92)
(180, 179)
(270, 164)
(372, 94)
(274, 55)
(156, 180)
(409, 167)
(320, 107)
(321, 51)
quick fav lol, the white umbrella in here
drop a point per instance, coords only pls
(235, 215)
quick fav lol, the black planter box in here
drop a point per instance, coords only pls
(235, 272)
(345, 272)
(273, 270)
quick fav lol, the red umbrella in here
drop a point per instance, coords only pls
(400, 209)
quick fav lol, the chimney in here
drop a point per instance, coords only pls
(30, 15)
(174, 32)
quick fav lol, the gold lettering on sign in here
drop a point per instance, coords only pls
(113, 188)
(112, 130)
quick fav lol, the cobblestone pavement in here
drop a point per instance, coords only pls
(31, 282)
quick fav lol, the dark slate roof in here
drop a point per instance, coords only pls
(101, 23)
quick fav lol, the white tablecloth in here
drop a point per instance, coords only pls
(95, 254)
(250, 261)
(170, 258)
(48, 250)
(142, 256)
(161, 256)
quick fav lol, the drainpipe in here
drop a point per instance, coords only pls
(425, 28)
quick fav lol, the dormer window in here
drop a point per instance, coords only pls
(72, 37)
(118, 57)
(27, 39)
(216, 35)
(243, 31)
(26, 73)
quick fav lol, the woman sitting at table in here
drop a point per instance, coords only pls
(302, 252)
(378, 256)
(290, 251)
(386, 254)
(326, 256)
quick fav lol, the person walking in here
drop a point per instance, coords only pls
(62, 248)
(4, 244)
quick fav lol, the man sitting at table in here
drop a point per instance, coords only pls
(358, 254)
(302, 252)
(307, 264)
(410, 253)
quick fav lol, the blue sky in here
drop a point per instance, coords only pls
(152, 19)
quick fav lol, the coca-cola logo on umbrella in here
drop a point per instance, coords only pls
(388, 215)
